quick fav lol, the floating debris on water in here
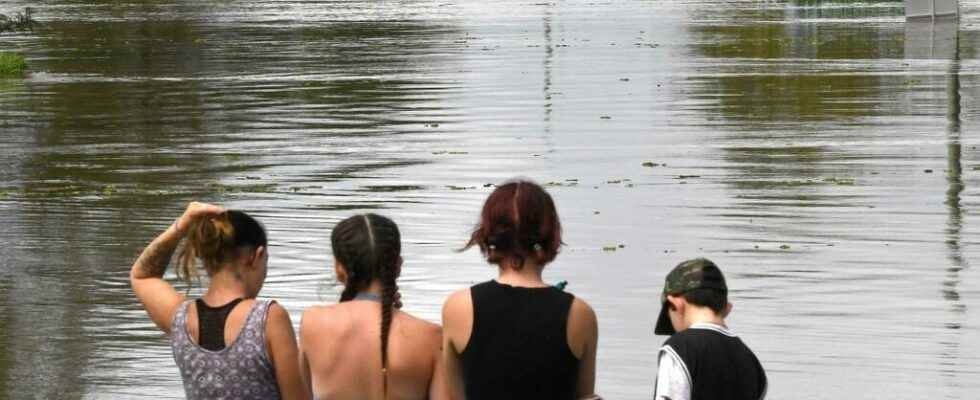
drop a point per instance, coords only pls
(108, 190)
(604, 117)
(454, 187)
(784, 246)
(687, 176)
(650, 164)
(840, 181)
(614, 181)
(624, 79)
(595, 213)
(432, 125)
(609, 248)
(486, 185)
(928, 171)
(560, 184)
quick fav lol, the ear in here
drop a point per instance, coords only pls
(679, 302)
(255, 256)
(340, 272)
(728, 310)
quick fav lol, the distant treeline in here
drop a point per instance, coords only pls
(18, 22)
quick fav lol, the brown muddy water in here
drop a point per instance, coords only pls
(823, 153)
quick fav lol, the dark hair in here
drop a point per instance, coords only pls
(217, 240)
(369, 246)
(714, 299)
(519, 220)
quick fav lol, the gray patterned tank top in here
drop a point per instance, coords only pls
(241, 370)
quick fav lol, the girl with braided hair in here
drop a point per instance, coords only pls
(364, 347)
(517, 337)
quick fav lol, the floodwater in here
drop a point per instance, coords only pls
(820, 152)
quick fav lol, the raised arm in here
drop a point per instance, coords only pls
(146, 276)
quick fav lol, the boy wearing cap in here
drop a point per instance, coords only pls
(702, 359)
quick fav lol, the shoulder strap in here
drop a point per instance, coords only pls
(179, 323)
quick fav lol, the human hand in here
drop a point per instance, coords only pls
(197, 210)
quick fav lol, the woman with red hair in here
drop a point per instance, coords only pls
(517, 337)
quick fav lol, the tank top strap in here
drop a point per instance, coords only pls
(179, 322)
(256, 320)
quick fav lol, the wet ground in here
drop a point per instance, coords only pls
(820, 152)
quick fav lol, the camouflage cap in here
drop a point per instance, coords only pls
(699, 273)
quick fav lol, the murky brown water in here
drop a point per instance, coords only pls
(821, 152)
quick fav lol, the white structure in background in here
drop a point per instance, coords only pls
(931, 8)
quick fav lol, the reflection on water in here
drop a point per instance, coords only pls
(818, 150)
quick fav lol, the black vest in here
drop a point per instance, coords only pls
(519, 345)
(721, 367)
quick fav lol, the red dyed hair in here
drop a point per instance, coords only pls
(518, 221)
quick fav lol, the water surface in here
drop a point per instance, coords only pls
(820, 152)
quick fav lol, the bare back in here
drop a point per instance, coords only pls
(341, 350)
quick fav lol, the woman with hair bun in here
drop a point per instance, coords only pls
(226, 344)
(364, 347)
(517, 337)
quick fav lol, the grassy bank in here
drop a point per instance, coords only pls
(12, 64)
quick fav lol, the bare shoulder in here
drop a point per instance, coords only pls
(459, 302)
(278, 316)
(319, 318)
(420, 326)
(583, 328)
(582, 313)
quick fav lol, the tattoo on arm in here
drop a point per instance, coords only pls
(155, 258)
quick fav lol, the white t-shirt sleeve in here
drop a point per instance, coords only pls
(673, 381)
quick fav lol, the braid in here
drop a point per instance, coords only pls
(369, 248)
(387, 250)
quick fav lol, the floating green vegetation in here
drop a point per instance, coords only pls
(609, 248)
(450, 152)
(220, 188)
(687, 176)
(567, 183)
(109, 190)
(18, 22)
(840, 181)
(784, 246)
(650, 164)
(12, 64)
(454, 187)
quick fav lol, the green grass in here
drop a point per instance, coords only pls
(12, 64)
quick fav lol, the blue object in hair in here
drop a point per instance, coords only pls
(561, 285)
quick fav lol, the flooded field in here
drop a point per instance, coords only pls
(823, 153)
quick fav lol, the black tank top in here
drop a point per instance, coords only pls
(211, 324)
(518, 348)
(721, 367)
